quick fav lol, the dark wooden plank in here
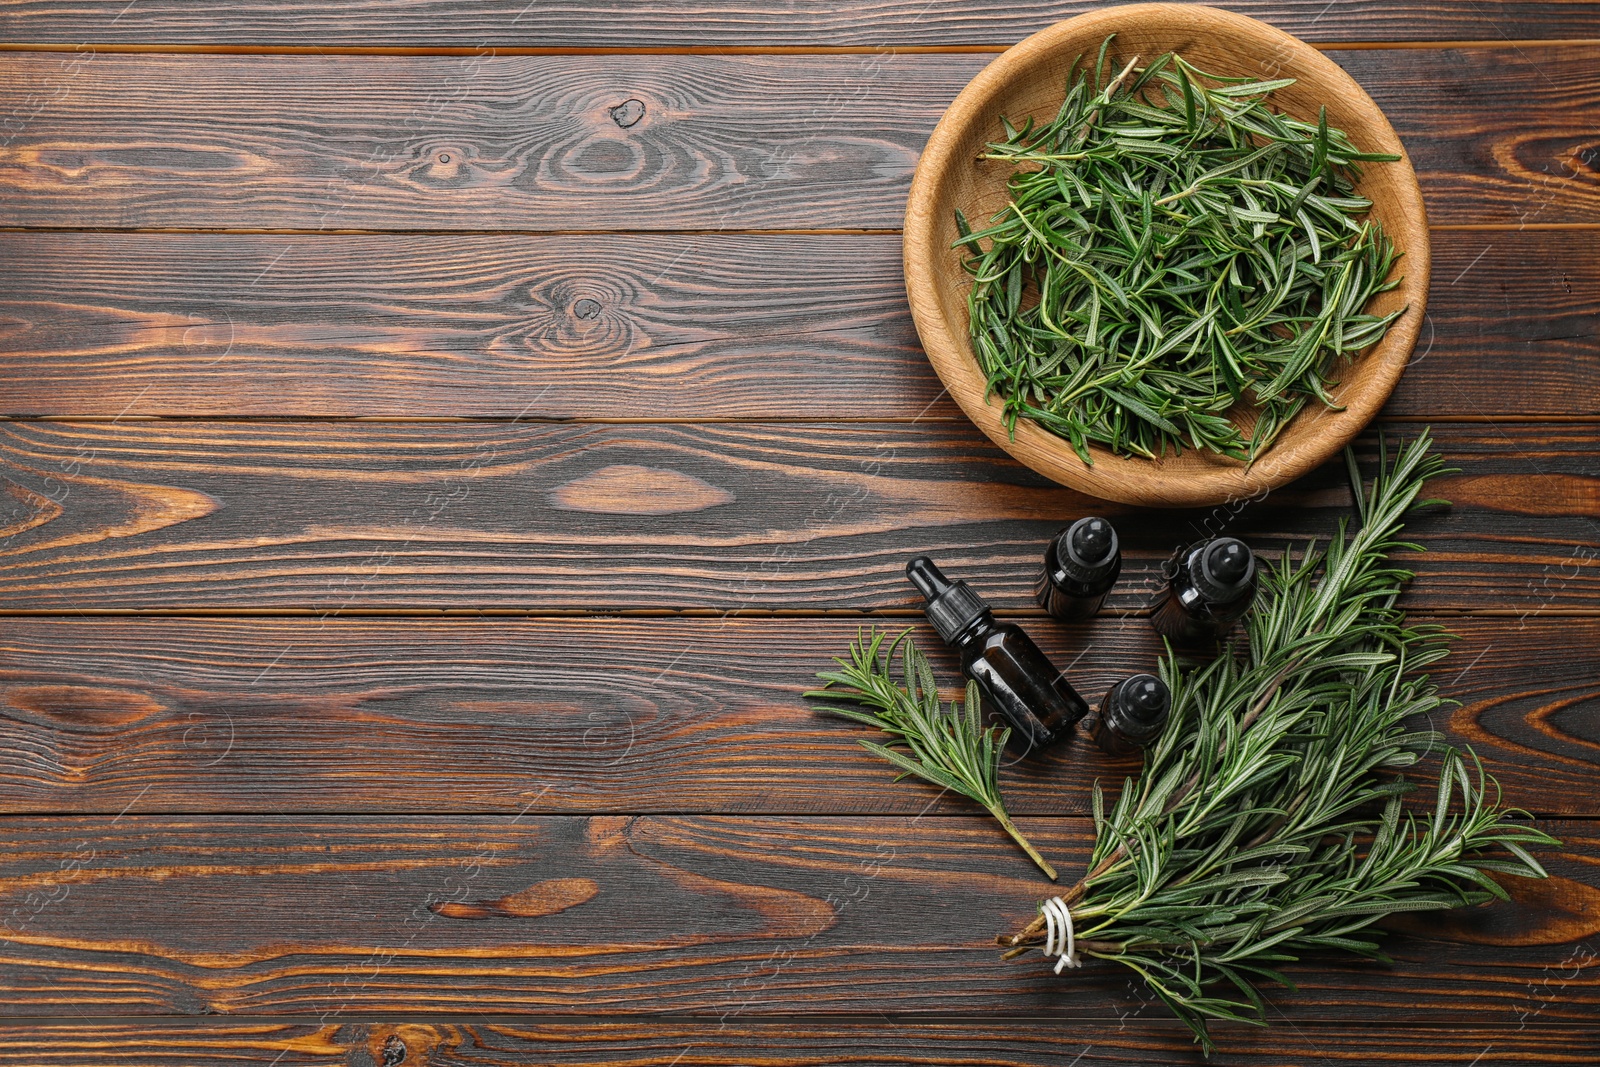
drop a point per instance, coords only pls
(632, 326)
(1511, 327)
(403, 142)
(996, 1040)
(327, 518)
(598, 716)
(724, 23)
(543, 327)
(1499, 135)
(692, 915)
(383, 142)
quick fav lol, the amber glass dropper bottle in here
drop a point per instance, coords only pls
(1212, 585)
(1081, 564)
(1132, 715)
(1015, 677)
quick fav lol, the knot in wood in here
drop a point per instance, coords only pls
(627, 113)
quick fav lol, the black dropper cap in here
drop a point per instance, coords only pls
(1088, 549)
(1141, 705)
(1227, 568)
(952, 606)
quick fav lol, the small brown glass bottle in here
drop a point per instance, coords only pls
(1132, 715)
(1016, 679)
(1081, 564)
(1212, 585)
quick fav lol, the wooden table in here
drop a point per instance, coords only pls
(444, 436)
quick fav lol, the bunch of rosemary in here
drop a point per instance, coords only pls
(1172, 248)
(1267, 822)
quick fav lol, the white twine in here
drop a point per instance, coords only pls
(1058, 935)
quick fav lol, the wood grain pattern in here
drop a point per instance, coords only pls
(531, 143)
(725, 23)
(624, 842)
(327, 518)
(621, 326)
(538, 327)
(602, 716)
(691, 915)
(1508, 131)
(994, 1041)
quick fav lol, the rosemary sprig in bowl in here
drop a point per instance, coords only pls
(1173, 250)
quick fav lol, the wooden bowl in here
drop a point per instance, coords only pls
(1030, 79)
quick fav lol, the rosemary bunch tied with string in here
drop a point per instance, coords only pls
(948, 746)
(1173, 248)
(1268, 821)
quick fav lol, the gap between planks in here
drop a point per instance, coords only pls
(402, 232)
(887, 231)
(158, 48)
(975, 814)
(874, 615)
(712, 420)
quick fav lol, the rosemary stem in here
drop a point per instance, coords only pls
(1034, 931)
(1010, 827)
